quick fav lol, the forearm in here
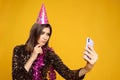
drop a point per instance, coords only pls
(37, 50)
(28, 64)
(85, 70)
(91, 57)
(82, 72)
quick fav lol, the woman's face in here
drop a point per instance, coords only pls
(44, 37)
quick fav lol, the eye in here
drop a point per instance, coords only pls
(42, 33)
(48, 34)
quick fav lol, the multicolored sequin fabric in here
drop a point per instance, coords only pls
(21, 56)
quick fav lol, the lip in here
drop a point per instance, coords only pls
(44, 42)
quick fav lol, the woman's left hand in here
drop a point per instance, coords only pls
(91, 57)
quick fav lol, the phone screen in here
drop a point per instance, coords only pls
(89, 41)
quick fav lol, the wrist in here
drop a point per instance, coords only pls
(33, 56)
(32, 59)
(88, 67)
(29, 63)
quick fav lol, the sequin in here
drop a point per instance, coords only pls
(21, 56)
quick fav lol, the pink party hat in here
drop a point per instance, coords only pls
(42, 17)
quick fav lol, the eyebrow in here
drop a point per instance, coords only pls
(46, 32)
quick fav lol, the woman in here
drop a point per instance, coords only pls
(37, 61)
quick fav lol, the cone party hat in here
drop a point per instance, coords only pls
(42, 17)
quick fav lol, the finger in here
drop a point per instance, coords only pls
(38, 45)
(91, 51)
(86, 58)
(40, 50)
(89, 60)
(88, 55)
(91, 48)
(95, 58)
(88, 50)
(92, 55)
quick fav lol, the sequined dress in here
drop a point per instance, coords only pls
(21, 56)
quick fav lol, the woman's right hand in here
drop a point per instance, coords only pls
(37, 50)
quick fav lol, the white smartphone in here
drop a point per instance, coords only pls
(89, 41)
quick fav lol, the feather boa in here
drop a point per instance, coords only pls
(39, 64)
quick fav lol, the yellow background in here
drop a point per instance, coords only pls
(72, 21)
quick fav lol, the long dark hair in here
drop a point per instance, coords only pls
(35, 32)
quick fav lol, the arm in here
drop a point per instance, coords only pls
(18, 61)
(37, 50)
(90, 57)
(62, 69)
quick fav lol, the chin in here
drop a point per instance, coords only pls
(42, 44)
